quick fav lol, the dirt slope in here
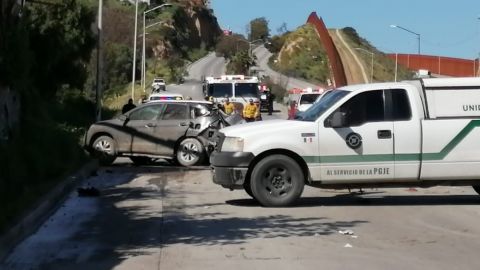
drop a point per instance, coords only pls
(355, 71)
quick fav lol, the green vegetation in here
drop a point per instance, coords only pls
(259, 29)
(43, 57)
(301, 55)
(383, 66)
(47, 56)
(235, 48)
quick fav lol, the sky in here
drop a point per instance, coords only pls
(446, 27)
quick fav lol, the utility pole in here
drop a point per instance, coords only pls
(134, 49)
(98, 92)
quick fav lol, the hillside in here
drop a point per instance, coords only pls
(302, 56)
(383, 66)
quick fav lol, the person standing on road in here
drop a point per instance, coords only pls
(129, 106)
(271, 98)
(228, 107)
(250, 111)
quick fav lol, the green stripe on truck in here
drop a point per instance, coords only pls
(397, 157)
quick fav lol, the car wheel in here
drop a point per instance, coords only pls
(140, 161)
(248, 189)
(476, 188)
(276, 181)
(104, 150)
(190, 152)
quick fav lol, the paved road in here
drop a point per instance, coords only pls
(212, 65)
(263, 55)
(170, 218)
(207, 66)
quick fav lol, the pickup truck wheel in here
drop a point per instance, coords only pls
(277, 180)
(248, 189)
(104, 150)
(476, 188)
(190, 152)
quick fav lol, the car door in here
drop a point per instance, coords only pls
(173, 125)
(362, 149)
(142, 125)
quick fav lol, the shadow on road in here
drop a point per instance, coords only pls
(138, 220)
(355, 200)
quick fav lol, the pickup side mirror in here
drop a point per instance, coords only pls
(338, 120)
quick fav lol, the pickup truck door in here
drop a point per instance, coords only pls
(362, 149)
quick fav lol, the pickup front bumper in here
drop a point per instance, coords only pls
(230, 168)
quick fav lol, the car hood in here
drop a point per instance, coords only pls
(264, 128)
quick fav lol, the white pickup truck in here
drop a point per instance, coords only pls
(421, 133)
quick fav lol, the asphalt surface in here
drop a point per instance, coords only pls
(163, 217)
(210, 65)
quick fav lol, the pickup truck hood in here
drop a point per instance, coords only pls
(265, 128)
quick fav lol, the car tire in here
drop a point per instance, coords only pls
(477, 189)
(190, 152)
(248, 189)
(141, 161)
(277, 181)
(104, 149)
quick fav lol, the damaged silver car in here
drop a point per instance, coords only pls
(178, 131)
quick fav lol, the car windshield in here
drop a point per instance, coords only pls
(220, 90)
(246, 89)
(317, 109)
(308, 98)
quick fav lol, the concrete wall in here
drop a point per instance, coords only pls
(9, 112)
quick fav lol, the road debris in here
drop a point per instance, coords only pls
(346, 232)
(347, 245)
(88, 192)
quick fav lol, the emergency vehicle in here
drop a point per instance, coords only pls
(238, 88)
(299, 100)
(264, 96)
(419, 133)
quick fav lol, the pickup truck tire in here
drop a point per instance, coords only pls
(476, 188)
(276, 181)
(190, 152)
(248, 189)
(104, 149)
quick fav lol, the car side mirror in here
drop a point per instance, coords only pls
(338, 120)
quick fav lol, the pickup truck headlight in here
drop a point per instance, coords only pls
(232, 144)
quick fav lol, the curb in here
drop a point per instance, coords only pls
(31, 221)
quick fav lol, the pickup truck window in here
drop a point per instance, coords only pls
(401, 109)
(317, 109)
(364, 107)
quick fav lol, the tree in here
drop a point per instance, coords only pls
(228, 46)
(276, 43)
(15, 54)
(259, 29)
(61, 40)
(282, 29)
(240, 63)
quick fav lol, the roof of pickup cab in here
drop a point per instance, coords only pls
(471, 82)
(360, 87)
